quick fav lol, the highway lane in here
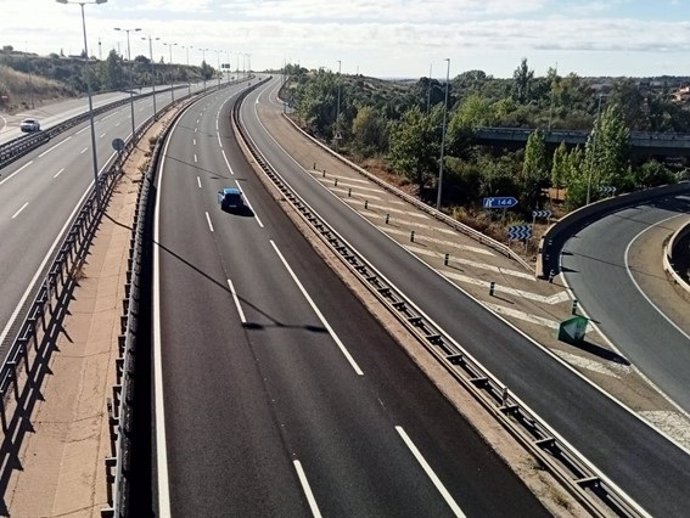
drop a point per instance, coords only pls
(269, 361)
(39, 194)
(596, 267)
(624, 448)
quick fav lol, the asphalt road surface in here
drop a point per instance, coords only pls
(276, 393)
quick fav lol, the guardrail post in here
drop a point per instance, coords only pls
(13, 378)
(411, 236)
(574, 308)
(446, 257)
(492, 288)
(24, 350)
(3, 416)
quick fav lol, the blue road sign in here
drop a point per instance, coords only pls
(499, 202)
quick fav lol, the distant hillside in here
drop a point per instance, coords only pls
(19, 91)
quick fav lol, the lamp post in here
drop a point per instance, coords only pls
(94, 157)
(131, 73)
(189, 84)
(443, 139)
(219, 72)
(153, 77)
(227, 56)
(590, 166)
(172, 85)
(203, 68)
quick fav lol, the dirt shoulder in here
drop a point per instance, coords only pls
(62, 469)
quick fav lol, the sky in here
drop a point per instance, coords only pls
(381, 38)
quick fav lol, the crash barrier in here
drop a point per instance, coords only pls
(551, 243)
(577, 475)
(672, 252)
(20, 146)
(120, 406)
(436, 214)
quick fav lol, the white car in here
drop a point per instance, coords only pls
(29, 125)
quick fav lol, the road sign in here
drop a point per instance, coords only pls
(118, 144)
(543, 214)
(607, 190)
(499, 202)
(573, 330)
(520, 232)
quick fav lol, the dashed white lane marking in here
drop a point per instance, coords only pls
(307, 489)
(388, 229)
(195, 158)
(17, 171)
(117, 124)
(197, 121)
(83, 150)
(316, 310)
(455, 508)
(521, 315)
(55, 146)
(58, 173)
(236, 299)
(194, 142)
(590, 365)
(103, 135)
(561, 296)
(195, 129)
(473, 264)
(20, 210)
(227, 163)
(672, 423)
(208, 220)
(198, 182)
(83, 130)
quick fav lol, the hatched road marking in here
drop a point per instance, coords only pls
(561, 296)
(388, 229)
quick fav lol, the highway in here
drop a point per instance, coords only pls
(39, 195)
(276, 392)
(624, 448)
(596, 266)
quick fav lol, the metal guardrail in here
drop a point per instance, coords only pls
(20, 146)
(437, 214)
(590, 487)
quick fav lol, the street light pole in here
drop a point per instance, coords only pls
(189, 84)
(337, 112)
(590, 166)
(203, 68)
(94, 157)
(219, 73)
(172, 85)
(131, 74)
(153, 76)
(443, 139)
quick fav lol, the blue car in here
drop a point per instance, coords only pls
(230, 199)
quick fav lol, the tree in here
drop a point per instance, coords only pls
(369, 131)
(606, 151)
(559, 166)
(575, 178)
(522, 82)
(414, 145)
(113, 73)
(534, 170)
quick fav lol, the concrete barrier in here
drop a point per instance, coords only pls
(548, 255)
(670, 252)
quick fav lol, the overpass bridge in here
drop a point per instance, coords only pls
(642, 143)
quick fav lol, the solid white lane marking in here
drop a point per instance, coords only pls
(208, 219)
(455, 508)
(198, 182)
(20, 209)
(307, 489)
(219, 141)
(227, 163)
(473, 264)
(316, 310)
(632, 278)
(58, 173)
(195, 158)
(55, 146)
(17, 171)
(390, 230)
(258, 220)
(82, 130)
(83, 150)
(237, 302)
(561, 296)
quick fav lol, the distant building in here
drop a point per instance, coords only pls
(682, 95)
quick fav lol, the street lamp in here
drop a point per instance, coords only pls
(153, 77)
(443, 138)
(590, 166)
(172, 86)
(219, 72)
(131, 73)
(189, 84)
(88, 91)
(203, 68)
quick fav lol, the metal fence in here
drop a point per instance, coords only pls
(591, 488)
